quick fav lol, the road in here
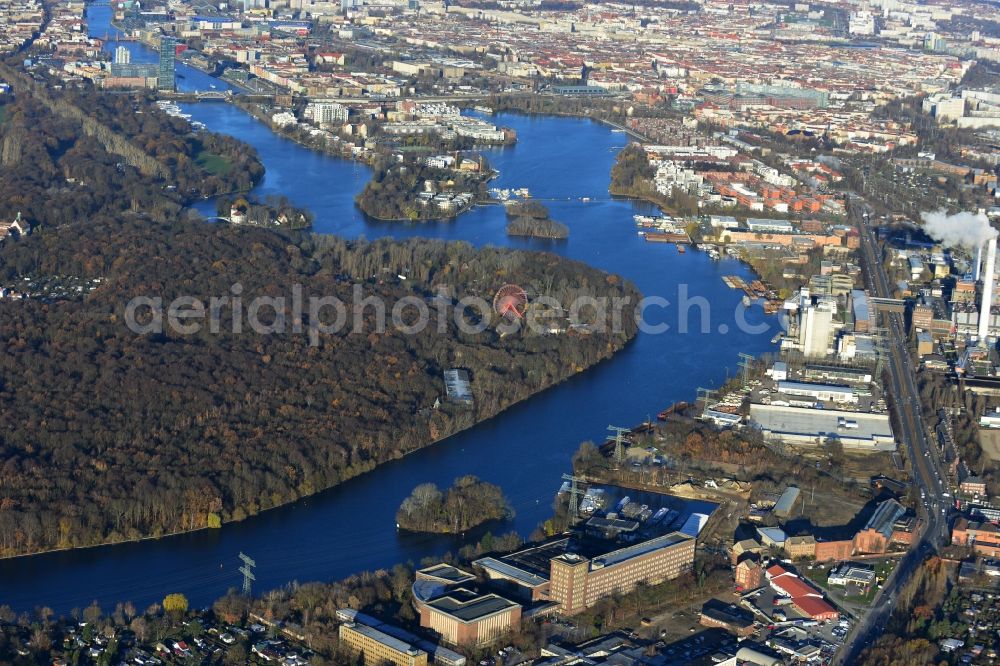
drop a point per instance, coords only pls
(912, 436)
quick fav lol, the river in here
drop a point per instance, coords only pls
(351, 528)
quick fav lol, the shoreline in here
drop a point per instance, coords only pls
(571, 375)
(325, 150)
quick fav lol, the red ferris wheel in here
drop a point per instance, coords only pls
(510, 301)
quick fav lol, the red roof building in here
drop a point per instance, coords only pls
(805, 598)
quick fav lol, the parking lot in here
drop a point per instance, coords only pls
(785, 630)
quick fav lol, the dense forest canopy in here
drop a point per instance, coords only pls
(111, 432)
(531, 218)
(468, 503)
(68, 157)
(107, 435)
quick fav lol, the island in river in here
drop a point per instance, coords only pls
(531, 218)
(132, 408)
(470, 502)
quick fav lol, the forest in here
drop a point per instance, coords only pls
(632, 173)
(470, 502)
(917, 622)
(172, 142)
(531, 218)
(61, 165)
(108, 435)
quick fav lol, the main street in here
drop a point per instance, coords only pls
(912, 437)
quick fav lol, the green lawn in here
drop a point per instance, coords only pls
(214, 164)
(818, 575)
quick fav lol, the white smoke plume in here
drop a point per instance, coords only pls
(968, 230)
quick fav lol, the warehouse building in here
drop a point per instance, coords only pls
(805, 598)
(786, 503)
(732, 618)
(860, 431)
(822, 392)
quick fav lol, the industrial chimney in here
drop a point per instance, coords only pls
(979, 263)
(988, 277)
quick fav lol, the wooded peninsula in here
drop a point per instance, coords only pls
(109, 435)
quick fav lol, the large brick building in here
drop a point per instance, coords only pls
(878, 532)
(578, 582)
(827, 551)
(749, 575)
(576, 579)
(983, 537)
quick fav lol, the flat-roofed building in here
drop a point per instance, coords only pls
(732, 618)
(463, 617)
(837, 373)
(526, 572)
(458, 385)
(860, 431)
(861, 311)
(851, 573)
(577, 580)
(824, 392)
(378, 648)
(438, 654)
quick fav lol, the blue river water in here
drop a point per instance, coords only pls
(351, 528)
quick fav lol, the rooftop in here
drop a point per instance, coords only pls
(511, 571)
(445, 573)
(885, 516)
(467, 606)
(820, 422)
(384, 639)
(618, 556)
